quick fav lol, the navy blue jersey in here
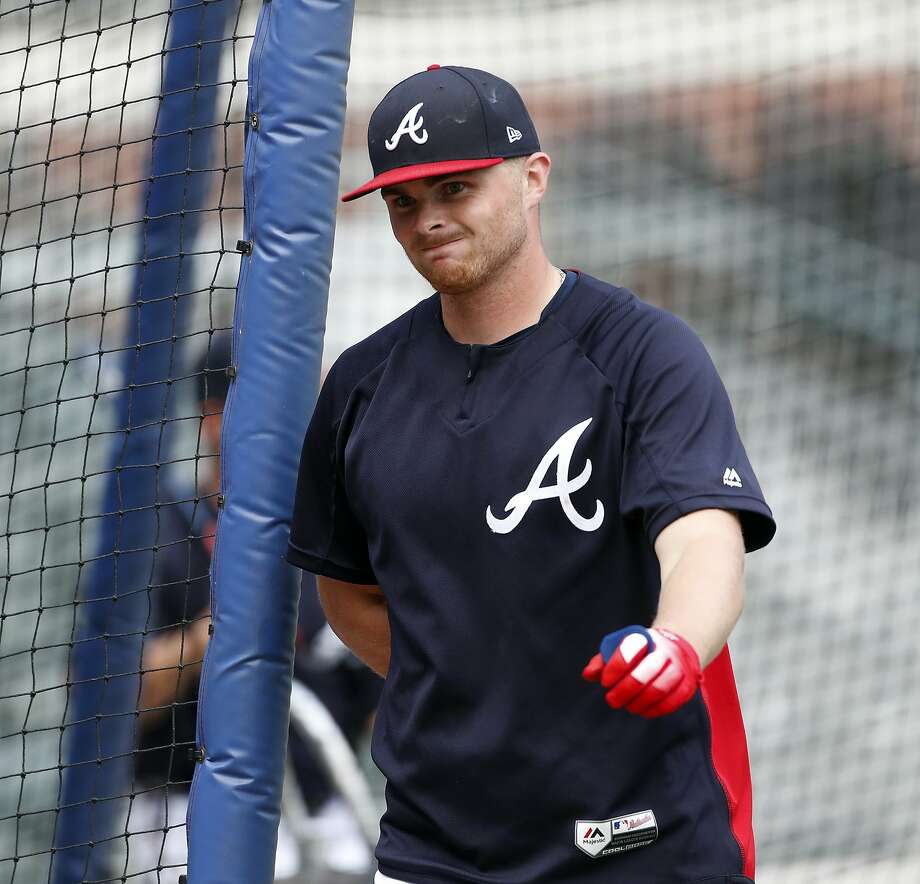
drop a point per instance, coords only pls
(506, 499)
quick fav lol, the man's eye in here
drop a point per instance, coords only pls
(402, 202)
(453, 187)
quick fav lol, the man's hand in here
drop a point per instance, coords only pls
(162, 681)
(650, 672)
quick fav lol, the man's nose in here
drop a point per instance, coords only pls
(429, 218)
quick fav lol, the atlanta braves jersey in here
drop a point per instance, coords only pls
(506, 499)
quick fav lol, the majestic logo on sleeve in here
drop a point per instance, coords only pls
(561, 452)
(410, 125)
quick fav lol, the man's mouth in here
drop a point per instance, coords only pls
(441, 244)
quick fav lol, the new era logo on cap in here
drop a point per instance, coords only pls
(445, 120)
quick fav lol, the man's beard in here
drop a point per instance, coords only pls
(499, 245)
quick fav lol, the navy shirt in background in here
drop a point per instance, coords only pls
(180, 592)
(506, 498)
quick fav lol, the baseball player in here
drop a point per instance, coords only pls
(527, 505)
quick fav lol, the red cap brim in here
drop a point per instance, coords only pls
(421, 170)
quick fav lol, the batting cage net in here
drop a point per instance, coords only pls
(751, 166)
(121, 130)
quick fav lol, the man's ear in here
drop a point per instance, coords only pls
(536, 178)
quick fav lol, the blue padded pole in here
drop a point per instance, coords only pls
(297, 71)
(100, 731)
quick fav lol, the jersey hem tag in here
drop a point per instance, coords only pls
(599, 838)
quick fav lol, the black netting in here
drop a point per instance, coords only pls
(752, 166)
(121, 131)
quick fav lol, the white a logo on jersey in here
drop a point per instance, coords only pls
(410, 125)
(561, 451)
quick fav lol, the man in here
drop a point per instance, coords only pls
(524, 462)
(180, 600)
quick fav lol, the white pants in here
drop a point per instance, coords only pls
(380, 878)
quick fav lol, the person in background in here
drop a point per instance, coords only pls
(176, 638)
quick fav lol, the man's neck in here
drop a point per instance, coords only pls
(506, 304)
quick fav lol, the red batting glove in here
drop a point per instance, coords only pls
(650, 672)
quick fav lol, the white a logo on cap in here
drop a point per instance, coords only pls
(513, 134)
(410, 125)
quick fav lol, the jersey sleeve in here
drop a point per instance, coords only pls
(326, 536)
(682, 451)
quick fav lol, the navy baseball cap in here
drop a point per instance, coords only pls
(445, 120)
